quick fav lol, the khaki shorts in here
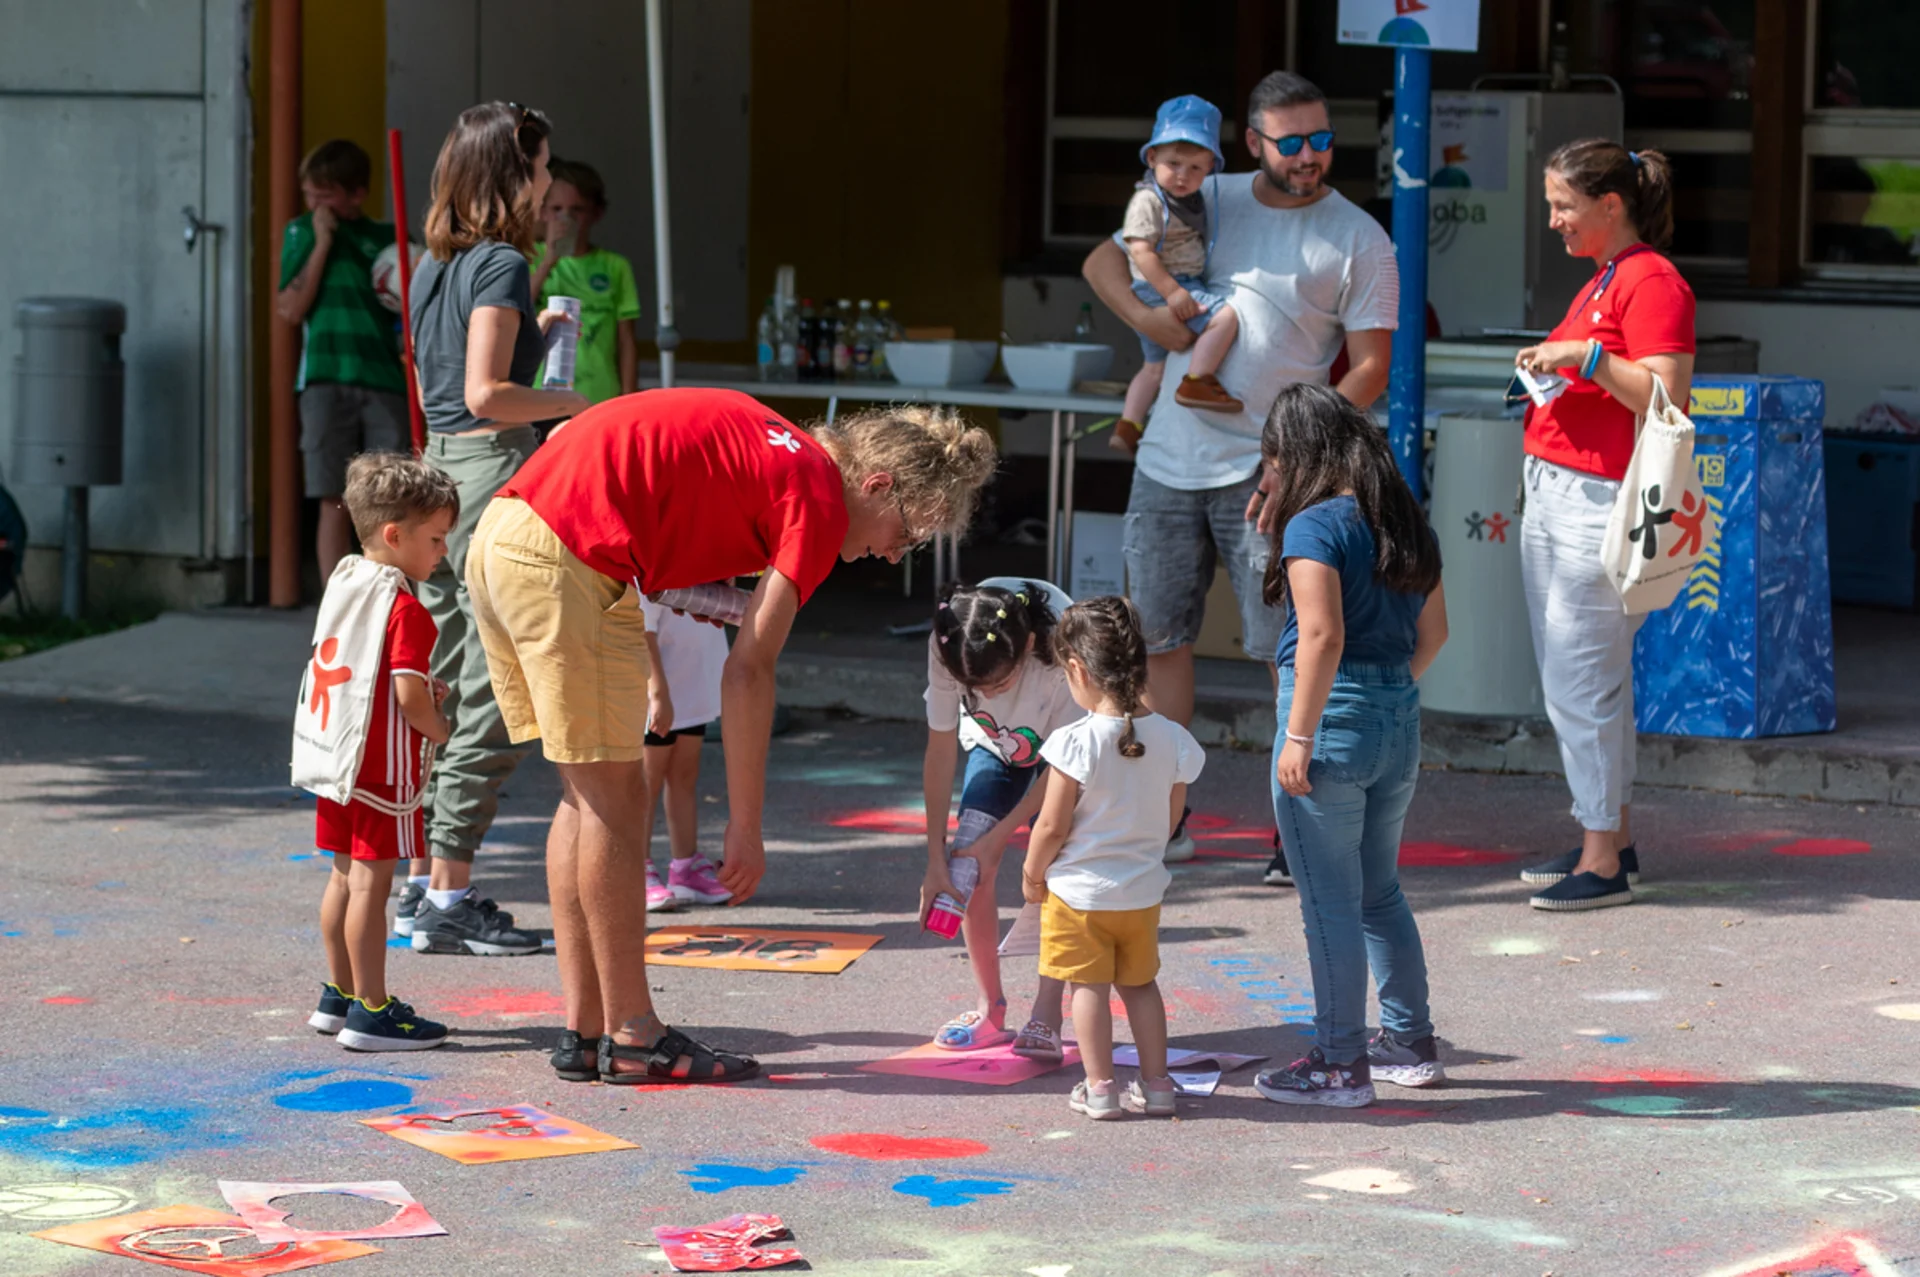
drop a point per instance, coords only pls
(1099, 946)
(566, 646)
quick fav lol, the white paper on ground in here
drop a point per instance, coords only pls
(1190, 1081)
(1023, 937)
(1194, 1083)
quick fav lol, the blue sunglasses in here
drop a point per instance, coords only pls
(1290, 145)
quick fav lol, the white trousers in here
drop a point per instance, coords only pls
(1582, 638)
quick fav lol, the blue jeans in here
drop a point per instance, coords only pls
(988, 791)
(1343, 844)
(1207, 300)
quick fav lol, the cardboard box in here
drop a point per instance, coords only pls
(1220, 629)
(1099, 562)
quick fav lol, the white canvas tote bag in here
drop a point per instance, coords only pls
(1661, 522)
(337, 691)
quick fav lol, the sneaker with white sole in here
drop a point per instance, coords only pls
(1549, 872)
(412, 897)
(473, 926)
(1314, 1081)
(332, 1014)
(1180, 847)
(660, 899)
(692, 881)
(1152, 1096)
(393, 1026)
(1581, 891)
(1278, 874)
(1405, 1063)
(1097, 1100)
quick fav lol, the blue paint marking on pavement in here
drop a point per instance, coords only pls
(1258, 981)
(347, 1097)
(116, 1137)
(399, 942)
(66, 931)
(307, 855)
(718, 1177)
(6, 1111)
(112, 886)
(14, 935)
(1613, 1039)
(951, 1192)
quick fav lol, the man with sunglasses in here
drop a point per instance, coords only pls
(1309, 273)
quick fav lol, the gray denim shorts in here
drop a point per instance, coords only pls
(338, 423)
(1173, 540)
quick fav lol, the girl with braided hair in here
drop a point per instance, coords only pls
(1096, 861)
(993, 687)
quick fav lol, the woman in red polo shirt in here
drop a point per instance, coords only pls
(1631, 323)
(658, 491)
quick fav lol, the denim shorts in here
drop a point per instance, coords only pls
(1196, 289)
(1173, 540)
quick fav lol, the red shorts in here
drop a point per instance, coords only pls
(368, 834)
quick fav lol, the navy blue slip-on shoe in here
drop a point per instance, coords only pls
(1552, 871)
(1584, 891)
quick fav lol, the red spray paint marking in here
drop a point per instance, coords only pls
(1645, 1077)
(481, 1002)
(1824, 847)
(1840, 1257)
(66, 1002)
(1429, 854)
(1206, 851)
(889, 820)
(896, 1148)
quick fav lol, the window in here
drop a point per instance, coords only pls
(1862, 140)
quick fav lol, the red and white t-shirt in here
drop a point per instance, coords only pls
(674, 488)
(1637, 305)
(390, 765)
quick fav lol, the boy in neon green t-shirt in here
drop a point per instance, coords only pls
(568, 264)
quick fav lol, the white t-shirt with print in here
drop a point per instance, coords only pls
(1300, 279)
(692, 655)
(1115, 857)
(1014, 723)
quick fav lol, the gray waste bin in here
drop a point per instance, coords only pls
(69, 391)
(1487, 666)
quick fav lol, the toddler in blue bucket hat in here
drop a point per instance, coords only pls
(1168, 239)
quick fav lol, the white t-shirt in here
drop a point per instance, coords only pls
(1300, 279)
(692, 654)
(1115, 857)
(1013, 724)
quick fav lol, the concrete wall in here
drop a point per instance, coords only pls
(584, 63)
(1854, 349)
(113, 118)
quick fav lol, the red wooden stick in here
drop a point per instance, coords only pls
(397, 175)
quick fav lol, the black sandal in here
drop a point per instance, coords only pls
(572, 1060)
(663, 1055)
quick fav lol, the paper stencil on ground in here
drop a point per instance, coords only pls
(728, 1245)
(521, 1132)
(996, 1066)
(200, 1241)
(253, 1202)
(757, 948)
(1193, 1072)
(1023, 937)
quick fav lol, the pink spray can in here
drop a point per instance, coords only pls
(944, 918)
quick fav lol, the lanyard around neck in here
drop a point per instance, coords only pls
(1606, 276)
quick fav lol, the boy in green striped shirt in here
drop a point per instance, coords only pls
(351, 385)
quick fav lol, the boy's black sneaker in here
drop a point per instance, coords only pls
(470, 926)
(1405, 1063)
(1549, 872)
(394, 1027)
(1584, 891)
(1278, 874)
(1314, 1081)
(413, 898)
(334, 1005)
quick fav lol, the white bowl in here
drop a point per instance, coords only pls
(941, 363)
(1056, 366)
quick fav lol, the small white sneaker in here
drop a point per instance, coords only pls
(1154, 1098)
(1098, 1100)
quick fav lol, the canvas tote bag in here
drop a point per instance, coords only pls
(1661, 522)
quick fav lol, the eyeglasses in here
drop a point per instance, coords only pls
(1289, 146)
(909, 541)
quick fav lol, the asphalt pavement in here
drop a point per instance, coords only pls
(1718, 1080)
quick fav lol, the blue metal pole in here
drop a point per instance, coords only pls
(1407, 381)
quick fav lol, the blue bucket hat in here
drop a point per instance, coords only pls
(1187, 119)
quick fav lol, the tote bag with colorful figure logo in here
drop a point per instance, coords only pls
(1661, 523)
(336, 694)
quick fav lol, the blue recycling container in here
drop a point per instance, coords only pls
(1747, 648)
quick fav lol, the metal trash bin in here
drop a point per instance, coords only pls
(1487, 666)
(69, 413)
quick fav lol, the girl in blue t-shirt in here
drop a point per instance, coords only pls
(1359, 569)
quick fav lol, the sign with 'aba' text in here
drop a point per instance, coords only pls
(1452, 25)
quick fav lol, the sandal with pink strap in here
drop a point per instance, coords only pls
(970, 1031)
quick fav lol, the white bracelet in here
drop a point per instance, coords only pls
(1300, 740)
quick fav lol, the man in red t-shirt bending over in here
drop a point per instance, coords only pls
(657, 491)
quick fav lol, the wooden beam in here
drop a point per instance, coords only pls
(1781, 32)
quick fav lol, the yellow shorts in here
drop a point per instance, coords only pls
(1099, 946)
(566, 646)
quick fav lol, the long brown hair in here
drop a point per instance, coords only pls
(1319, 446)
(1103, 634)
(483, 180)
(1643, 180)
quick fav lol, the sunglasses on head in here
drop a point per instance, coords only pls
(1289, 146)
(530, 128)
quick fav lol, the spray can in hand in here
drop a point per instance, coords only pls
(943, 919)
(563, 342)
(716, 601)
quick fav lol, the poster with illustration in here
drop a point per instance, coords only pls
(514, 1133)
(255, 1203)
(1469, 141)
(199, 1240)
(1424, 24)
(757, 949)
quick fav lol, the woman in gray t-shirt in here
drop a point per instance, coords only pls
(477, 343)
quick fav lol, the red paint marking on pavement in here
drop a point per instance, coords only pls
(1203, 851)
(896, 1148)
(1824, 847)
(1200, 1003)
(1645, 1077)
(889, 820)
(1446, 854)
(66, 1002)
(479, 1002)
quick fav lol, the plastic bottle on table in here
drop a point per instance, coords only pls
(884, 331)
(563, 343)
(806, 329)
(716, 601)
(943, 919)
(843, 341)
(825, 330)
(766, 350)
(1083, 326)
(865, 341)
(788, 352)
